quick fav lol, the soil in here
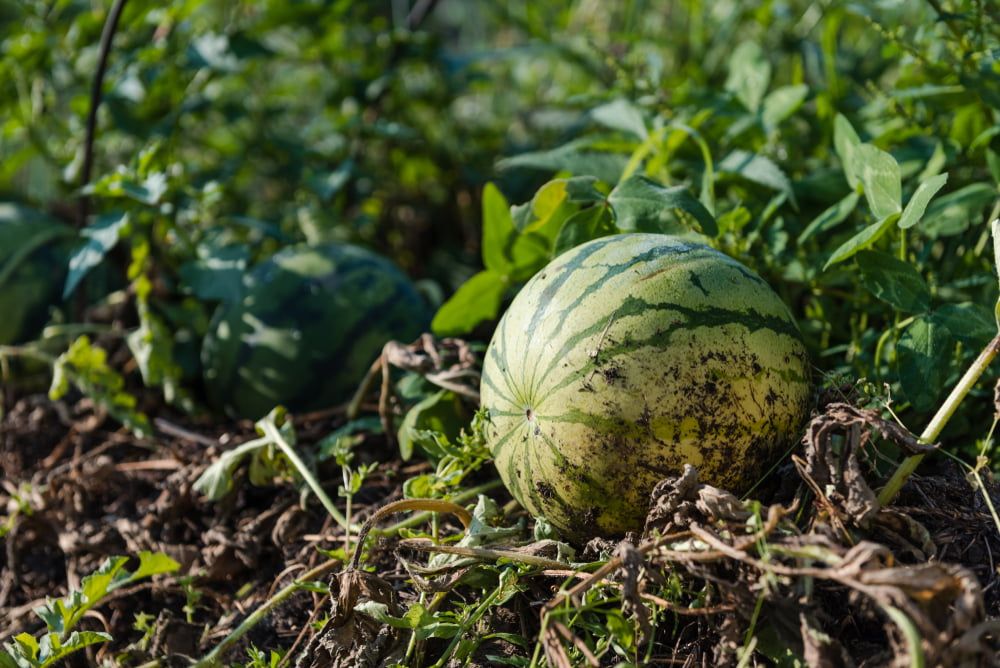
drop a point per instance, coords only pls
(94, 490)
(88, 489)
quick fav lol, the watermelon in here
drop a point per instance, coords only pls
(33, 263)
(625, 359)
(310, 322)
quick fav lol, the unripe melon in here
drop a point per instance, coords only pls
(628, 357)
(311, 321)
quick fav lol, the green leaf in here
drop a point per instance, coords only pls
(539, 221)
(921, 198)
(98, 584)
(61, 615)
(880, 176)
(734, 220)
(583, 190)
(968, 322)
(782, 103)
(995, 230)
(212, 50)
(327, 184)
(758, 169)
(894, 281)
(339, 442)
(830, 218)
(640, 204)
(548, 209)
(577, 157)
(477, 300)
(621, 115)
(530, 252)
(152, 347)
(993, 162)
(153, 563)
(149, 190)
(862, 240)
(846, 141)
(416, 618)
(749, 75)
(441, 412)
(953, 213)
(53, 648)
(679, 131)
(217, 480)
(86, 367)
(438, 629)
(582, 227)
(923, 355)
(102, 235)
(25, 646)
(935, 163)
(498, 230)
(9, 658)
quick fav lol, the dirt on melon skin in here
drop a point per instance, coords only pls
(626, 358)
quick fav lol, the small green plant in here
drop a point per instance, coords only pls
(86, 366)
(261, 659)
(270, 455)
(19, 504)
(192, 596)
(145, 624)
(63, 614)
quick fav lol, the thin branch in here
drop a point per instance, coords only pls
(107, 36)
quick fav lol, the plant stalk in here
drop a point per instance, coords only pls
(940, 419)
(271, 431)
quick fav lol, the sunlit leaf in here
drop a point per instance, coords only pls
(621, 115)
(782, 103)
(498, 230)
(758, 169)
(879, 174)
(101, 236)
(642, 205)
(846, 140)
(915, 208)
(862, 240)
(830, 218)
(477, 300)
(749, 74)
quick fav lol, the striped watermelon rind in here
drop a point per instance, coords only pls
(626, 358)
(310, 322)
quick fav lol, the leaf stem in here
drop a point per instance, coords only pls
(271, 431)
(940, 419)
